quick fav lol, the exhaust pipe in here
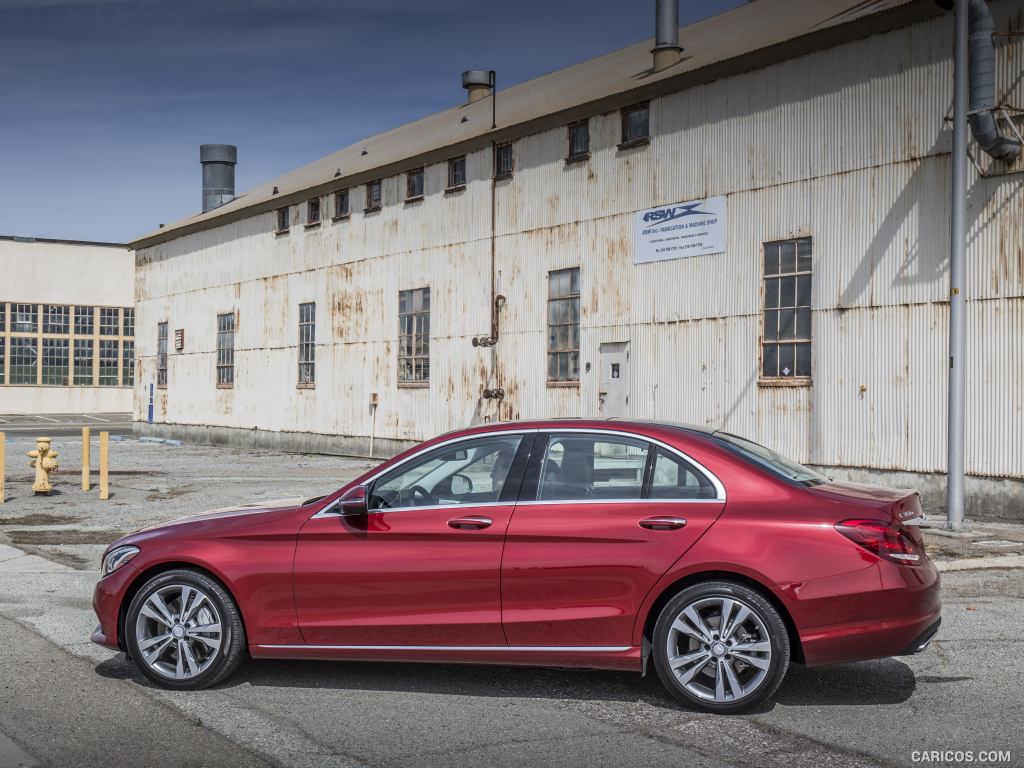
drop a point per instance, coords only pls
(666, 35)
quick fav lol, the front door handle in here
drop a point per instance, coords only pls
(469, 523)
(663, 523)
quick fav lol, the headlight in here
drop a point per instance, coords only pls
(117, 557)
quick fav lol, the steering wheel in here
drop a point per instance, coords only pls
(421, 492)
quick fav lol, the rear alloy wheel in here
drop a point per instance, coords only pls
(184, 631)
(721, 647)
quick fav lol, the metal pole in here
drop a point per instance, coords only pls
(86, 484)
(958, 247)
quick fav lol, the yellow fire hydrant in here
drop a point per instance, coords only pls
(44, 459)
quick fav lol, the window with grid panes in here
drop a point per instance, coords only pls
(83, 362)
(161, 354)
(128, 363)
(56, 318)
(414, 336)
(55, 362)
(579, 141)
(108, 363)
(564, 325)
(24, 318)
(24, 359)
(84, 318)
(128, 322)
(108, 321)
(786, 341)
(307, 344)
(457, 172)
(226, 349)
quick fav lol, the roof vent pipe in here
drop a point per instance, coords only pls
(219, 162)
(478, 82)
(666, 35)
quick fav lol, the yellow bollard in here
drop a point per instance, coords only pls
(104, 448)
(3, 464)
(86, 485)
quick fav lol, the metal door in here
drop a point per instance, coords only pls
(613, 395)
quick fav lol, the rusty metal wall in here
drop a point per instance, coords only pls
(848, 146)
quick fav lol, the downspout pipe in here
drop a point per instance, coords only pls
(982, 74)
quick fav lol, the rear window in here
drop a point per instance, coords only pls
(770, 460)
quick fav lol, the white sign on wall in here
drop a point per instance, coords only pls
(680, 230)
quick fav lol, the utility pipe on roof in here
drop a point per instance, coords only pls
(666, 35)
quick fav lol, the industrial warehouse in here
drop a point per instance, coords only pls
(745, 228)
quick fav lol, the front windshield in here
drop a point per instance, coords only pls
(768, 458)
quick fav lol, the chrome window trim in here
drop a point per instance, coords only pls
(720, 495)
(498, 648)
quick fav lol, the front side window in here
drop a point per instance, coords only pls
(589, 466)
(414, 336)
(457, 172)
(786, 342)
(373, 195)
(307, 344)
(636, 123)
(282, 219)
(503, 160)
(161, 354)
(467, 472)
(414, 184)
(579, 141)
(564, 325)
(313, 211)
(341, 204)
(226, 349)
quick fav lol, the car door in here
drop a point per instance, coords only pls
(421, 566)
(602, 516)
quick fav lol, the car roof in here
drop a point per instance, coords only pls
(586, 423)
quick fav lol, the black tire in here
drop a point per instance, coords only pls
(697, 682)
(216, 664)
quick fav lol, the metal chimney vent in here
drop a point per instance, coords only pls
(219, 162)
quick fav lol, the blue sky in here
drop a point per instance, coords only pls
(104, 102)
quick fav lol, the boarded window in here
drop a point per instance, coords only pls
(83, 362)
(341, 204)
(503, 160)
(564, 325)
(579, 141)
(307, 344)
(226, 349)
(414, 184)
(414, 336)
(457, 172)
(282, 219)
(373, 195)
(108, 362)
(636, 123)
(786, 342)
(161, 354)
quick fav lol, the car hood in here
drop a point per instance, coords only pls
(224, 514)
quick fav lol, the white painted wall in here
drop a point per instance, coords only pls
(847, 145)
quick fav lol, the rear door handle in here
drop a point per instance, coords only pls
(469, 523)
(663, 523)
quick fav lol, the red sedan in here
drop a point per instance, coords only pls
(571, 543)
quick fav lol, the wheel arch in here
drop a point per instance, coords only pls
(155, 570)
(671, 590)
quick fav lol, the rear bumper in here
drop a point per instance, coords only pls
(885, 610)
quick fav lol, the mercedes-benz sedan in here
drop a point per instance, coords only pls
(606, 544)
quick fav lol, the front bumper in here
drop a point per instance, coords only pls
(107, 598)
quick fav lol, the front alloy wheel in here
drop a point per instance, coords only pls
(184, 631)
(721, 647)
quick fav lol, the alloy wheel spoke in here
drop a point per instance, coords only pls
(719, 681)
(689, 674)
(753, 661)
(161, 607)
(723, 622)
(697, 622)
(730, 676)
(179, 669)
(737, 622)
(689, 658)
(151, 641)
(156, 653)
(190, 659)
(759, 646)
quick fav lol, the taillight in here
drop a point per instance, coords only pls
(886, 541)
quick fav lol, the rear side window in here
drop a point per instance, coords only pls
(676, 478)
(590, 466)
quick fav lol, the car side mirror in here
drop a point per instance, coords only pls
(352, 502)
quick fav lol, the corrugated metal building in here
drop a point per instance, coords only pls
(293, 316)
